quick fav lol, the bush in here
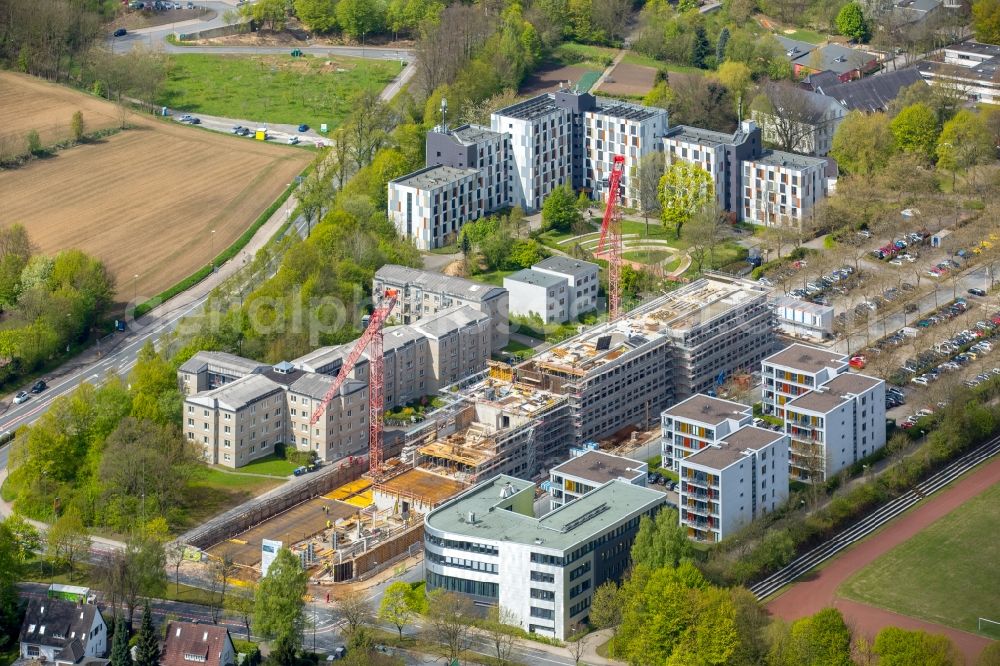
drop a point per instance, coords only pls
(34, 142)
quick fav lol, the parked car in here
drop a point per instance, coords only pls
(39, 386)
(299, 471)
(976, 291)
(22, 396)
(858, 361)
(120, 32)
(292, 140)
(303, 127)
(186, 118)
(236, 129)
(195, 121)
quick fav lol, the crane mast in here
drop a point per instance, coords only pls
(372, 338)
(611, 231)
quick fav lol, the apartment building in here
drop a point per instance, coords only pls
(581, 281)
(697, 423)
(431, 205)
(422, 293)
(835, 425)
(541, 151)
(588, 470)
(793, 371)
(475, 147)
(488, 544)
(208, 370)
(781, 189)
(727, 484)
(818, 117)
(536, 293)
(627, 372)
(618, 128)
(971, 67)
(242, 420)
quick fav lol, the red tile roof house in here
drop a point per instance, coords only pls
(189, 644)
(63, 632)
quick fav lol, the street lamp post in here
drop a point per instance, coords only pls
(213, 250)
(135, 289)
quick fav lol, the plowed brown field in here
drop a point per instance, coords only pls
(144, 201)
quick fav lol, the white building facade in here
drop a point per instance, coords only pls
(587, 470)
(697, 423)
(581, 281)
(536, 293)
(781, 189)
(618, 128)
(804, 319)
(431, 205)
(795, 370)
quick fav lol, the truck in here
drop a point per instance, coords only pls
(72, 593)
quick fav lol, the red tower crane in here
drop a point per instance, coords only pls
(611, 231)
(372, 336)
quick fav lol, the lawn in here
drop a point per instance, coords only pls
(519, 349)
(212, 491)
(491, 277)
(585, 55)
(647, 256)
(634, 58)
(272, 88)
(803, 35)
(271, 465)
(948, 573)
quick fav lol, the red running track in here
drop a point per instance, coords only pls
(808, 597)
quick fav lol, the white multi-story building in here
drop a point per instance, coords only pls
(780, 189)
(793, 371)
(423, 293)
(835, 425)
(581, 281)
(970, 67)
(431, 205)
(587, 470)
(476, 147)
(488, 544)
(541, 152)
(704, 148)
(697, 423)
(536, 293)
(803, 319)
(618, 128)
(727, 484)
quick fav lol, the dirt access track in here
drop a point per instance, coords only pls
(820, 591)
(157, 201)
(628, 79)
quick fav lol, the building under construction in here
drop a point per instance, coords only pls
(624, 373)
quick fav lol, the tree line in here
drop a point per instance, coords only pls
(49, 302)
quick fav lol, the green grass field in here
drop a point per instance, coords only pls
(584, 55)
(647, 256)
(212, 491)
(271, 465)
(272, 88)
(949, 573)
(803, 35)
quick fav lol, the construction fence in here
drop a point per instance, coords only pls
(264, 508)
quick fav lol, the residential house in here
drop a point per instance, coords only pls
(872, 93)
(806, 120)
(63, 632)
(587, 470)
(972, 68)
(191, 644)
(696, 423)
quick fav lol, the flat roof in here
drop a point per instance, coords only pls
(851, 382)
(670, 316)
(236, 394)
(804, 306)
(567, 265)
(698, 135)
(806, 358)
(437, 282)
(705, 408)
(470, 134)
(972, 46)
(980, 71)
(530, 109)
(221, 360)
(447, 321)
(529, 276)
(599, 467)
(624, 110)
(834, 57)
(433, 177)
(421, 484)
(562, 530)
(793, 160)
(794, 48)
(817, 401)
(715, 457)
(752, 437)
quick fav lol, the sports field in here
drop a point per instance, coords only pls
(948, 573)
(157, 201)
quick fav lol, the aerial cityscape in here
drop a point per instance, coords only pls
(500, 332)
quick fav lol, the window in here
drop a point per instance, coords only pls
(544, 613)
(541, 577)
(552, 560)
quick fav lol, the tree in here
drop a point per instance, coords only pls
(661, 541)
(704, 233)
(225, 569)
(120, 654)
(986, 21)
(851, 22)
(720, 45)
(141, 572)
(737, 78)
(270, 14)
(684, 189)
(605, 606)
(820, 639)
(560, 212)
(651, 168)
(174, 554)
(33, 141)
(498, 632)
(11, 568)
(395, 609)
(318, 15)
(358, 17)
(24, 537)
(789, 116)
(916, 130)
(147, 648)
(355, 610)
(863, 143)
(316, 193)
(899, 647)
(751, 622)
(368, 127)
(448, 621)
(279, 614)
(964, 143)
(76, 126)
(990, 656)
(243, 604)
(67, 540)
